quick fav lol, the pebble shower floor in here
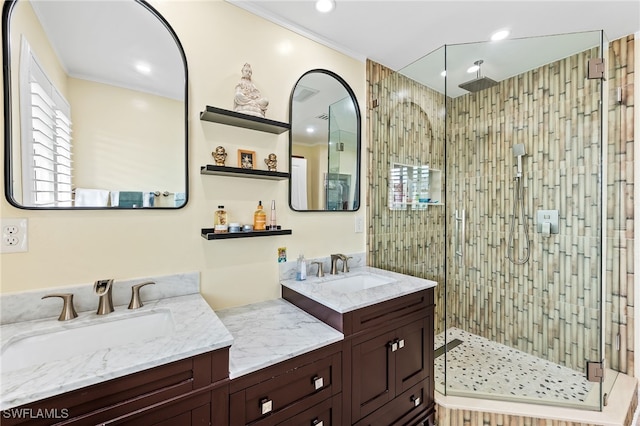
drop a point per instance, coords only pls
(482, 368)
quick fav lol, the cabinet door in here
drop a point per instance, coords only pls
(412, 357)
(372, 378)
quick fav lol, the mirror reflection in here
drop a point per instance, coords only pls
(324, 144)
(97, 115)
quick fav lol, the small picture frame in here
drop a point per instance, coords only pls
(246, 159)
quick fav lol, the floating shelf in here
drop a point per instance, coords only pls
(208, 234)
(232, 118)
(210, 169)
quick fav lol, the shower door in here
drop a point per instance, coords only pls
(524, 162)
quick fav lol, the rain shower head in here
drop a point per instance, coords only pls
(480, 82)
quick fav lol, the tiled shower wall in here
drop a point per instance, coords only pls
(549, 306)
(407, 128)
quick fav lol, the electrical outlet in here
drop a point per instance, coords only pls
(14, 235)
(359, 224)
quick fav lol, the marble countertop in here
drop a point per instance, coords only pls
(197, 330)
(269, 332)
(332, 296)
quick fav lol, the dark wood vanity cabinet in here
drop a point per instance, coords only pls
(387, 358)
(305, 390)
(387, 365)
(192, 391)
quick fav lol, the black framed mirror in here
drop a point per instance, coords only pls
(95, 98)
(324, 144)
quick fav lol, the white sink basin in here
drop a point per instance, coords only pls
(29, 349)
(354, 283)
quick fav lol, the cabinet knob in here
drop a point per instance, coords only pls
(416, 401)
(393, 345)
(400, 343)
(266, 406)
(318, 382)
(317, 422)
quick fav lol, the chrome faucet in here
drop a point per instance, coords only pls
(320, 271)
(68, 310)
(136, 301)
(345, 263)
(334, 263)
(104, 288)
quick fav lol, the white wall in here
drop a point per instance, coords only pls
(75, 247)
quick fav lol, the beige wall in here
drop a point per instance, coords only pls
(138, 148)
(82, 246)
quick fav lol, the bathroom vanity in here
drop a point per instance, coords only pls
(388, 342)
(346, 349)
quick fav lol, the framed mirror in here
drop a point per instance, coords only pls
(95, 98)
(324, 144)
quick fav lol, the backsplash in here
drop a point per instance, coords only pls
(288, 269)
(28, 305)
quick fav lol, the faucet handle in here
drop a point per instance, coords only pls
(136, 301)
(345, 263)
(68, 310)
(320, 271)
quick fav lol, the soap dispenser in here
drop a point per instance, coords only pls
(301, 268)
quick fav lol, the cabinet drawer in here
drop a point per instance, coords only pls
(410, 306)
(406, 406)
(319, 379)
(327, 413)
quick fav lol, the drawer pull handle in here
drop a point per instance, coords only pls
(266, 406)
(394, 346)
(317, 422)
(401, 344)
(318, 382)
(416, 401)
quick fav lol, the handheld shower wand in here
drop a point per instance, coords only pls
(518, 151)
(518, 203)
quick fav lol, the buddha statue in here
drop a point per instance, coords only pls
(248, 99)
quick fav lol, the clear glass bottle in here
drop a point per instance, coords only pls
(220, 220)
(259, 218)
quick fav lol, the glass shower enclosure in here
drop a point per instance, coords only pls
(515, 239)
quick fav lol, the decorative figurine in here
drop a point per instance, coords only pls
(219, 155)
(248, 99)
(271, 162)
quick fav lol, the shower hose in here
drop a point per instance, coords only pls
(518, 204)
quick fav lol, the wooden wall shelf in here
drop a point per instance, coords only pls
(232, 118)
(210, 169)
(208, 234)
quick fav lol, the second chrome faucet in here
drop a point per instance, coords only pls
(104, 289)
(334, 263)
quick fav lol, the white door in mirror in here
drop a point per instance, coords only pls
(14, 235)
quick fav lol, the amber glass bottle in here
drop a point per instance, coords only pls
(259, 218)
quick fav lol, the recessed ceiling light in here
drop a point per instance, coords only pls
(500, 35)
(143, 68)
(310, 129)
(325, 6)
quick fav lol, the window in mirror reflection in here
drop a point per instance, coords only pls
(95, 120)
(324, 144)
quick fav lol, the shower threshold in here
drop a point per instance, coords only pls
(480, 368)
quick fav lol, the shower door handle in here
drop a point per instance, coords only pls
(459, 235)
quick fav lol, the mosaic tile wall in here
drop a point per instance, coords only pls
(406, 129)
(538, 307)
